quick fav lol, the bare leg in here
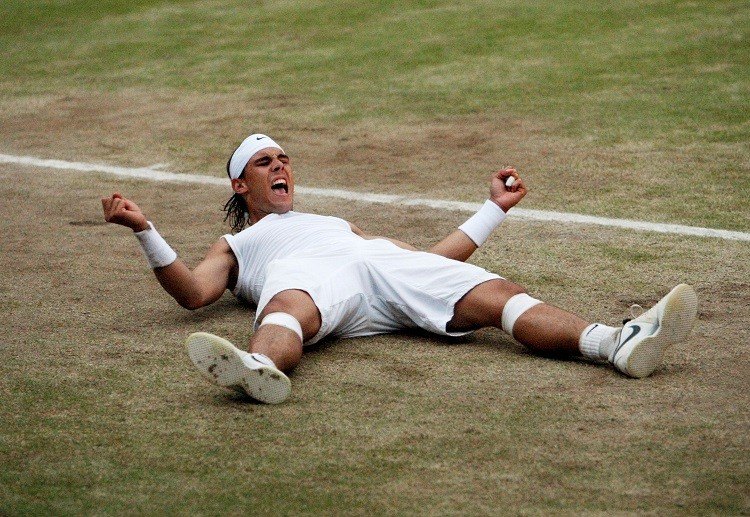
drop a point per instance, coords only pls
(281, 344)
(543, 328)
(222, 363)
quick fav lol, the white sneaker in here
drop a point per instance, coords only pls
(642, 340)
(222, 363)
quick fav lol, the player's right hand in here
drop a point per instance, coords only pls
(120, 210)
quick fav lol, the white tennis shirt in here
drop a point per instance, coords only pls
(287, 236)
(360, 286)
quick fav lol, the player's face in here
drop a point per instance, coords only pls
(269, 182)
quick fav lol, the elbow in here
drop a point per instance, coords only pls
(191, 304)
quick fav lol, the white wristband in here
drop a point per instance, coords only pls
(480, 225)
(157, 251)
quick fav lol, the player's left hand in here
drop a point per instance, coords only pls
(507, 197)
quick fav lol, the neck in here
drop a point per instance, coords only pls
(257, 215)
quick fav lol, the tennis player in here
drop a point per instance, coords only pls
(312, 276)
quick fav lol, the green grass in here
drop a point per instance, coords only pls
(633, 109)
(667, 72)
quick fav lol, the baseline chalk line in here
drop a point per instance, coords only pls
(153, 174)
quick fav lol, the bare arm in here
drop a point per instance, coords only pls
(192, 289)
(205, 283)
(457, 245)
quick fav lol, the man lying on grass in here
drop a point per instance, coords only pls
(312, 276)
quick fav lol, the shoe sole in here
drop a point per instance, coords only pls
(676, 318)
(219, 361)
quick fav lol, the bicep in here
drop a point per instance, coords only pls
(214, 272)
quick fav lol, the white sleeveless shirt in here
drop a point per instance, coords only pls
(286, 236)
(360, 286)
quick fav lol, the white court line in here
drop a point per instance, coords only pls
(152, 174)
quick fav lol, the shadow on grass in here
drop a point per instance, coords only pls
(225, 306)
(234, 399)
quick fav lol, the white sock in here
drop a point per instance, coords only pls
(597, 341)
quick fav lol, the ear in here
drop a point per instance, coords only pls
(239, 186)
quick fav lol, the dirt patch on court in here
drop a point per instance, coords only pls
(449, 158)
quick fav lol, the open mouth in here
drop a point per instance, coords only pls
(280, 186)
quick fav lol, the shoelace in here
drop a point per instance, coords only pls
(633, 309)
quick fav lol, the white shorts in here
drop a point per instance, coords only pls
(378, 289)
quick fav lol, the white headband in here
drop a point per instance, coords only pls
(246, 150)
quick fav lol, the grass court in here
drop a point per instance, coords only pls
(637, 110)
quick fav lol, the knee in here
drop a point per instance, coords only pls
(483, 305)
(298, 304)
(514, 307)
(505, 292)
(510, 289)
(501, 291)
(278, 304)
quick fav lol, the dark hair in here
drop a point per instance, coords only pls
(236, 208)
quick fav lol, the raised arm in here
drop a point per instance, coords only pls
(462, 243)
(192, 289)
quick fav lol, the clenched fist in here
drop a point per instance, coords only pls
(120, 210)
(507, 197)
